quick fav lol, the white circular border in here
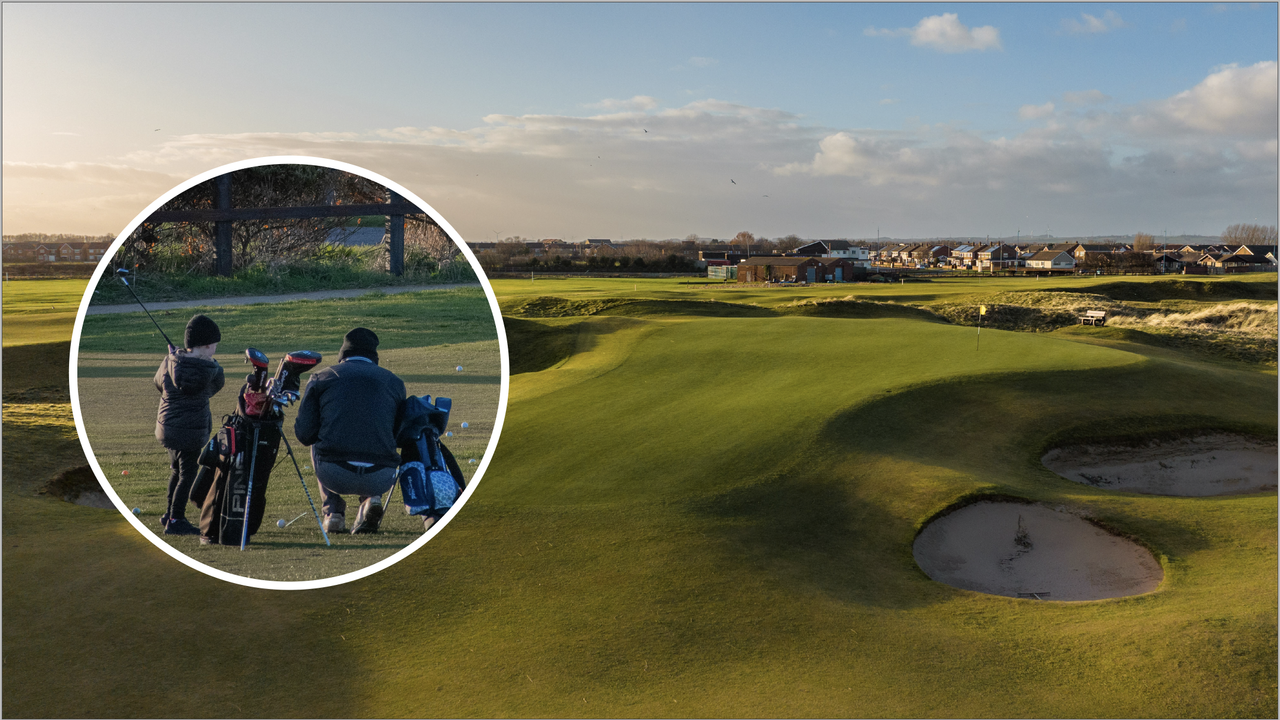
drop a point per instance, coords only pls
(297, 584)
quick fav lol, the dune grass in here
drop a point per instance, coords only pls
(692, 515)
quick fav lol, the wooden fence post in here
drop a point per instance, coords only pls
(222, 228)
(396, 223)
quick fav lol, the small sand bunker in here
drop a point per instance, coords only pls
(80, 486)
(1218, 464)
(1017, 550)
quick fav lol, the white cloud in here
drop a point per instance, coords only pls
(1035, 112)
(95, 173)
(1230, 101)
(1089, 24)
(945, 33)
(889, 101)
(1086, 97)
(639, 102)
(702, 61)
(601, 175)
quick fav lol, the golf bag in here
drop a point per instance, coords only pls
(243, 447)
(243, 453)
(430, 478)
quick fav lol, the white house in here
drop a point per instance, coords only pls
(1051, 260)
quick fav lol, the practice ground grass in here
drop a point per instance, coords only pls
(424, 338)
(698, 513)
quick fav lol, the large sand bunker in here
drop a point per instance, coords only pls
(1018, 550)
(1217, 464)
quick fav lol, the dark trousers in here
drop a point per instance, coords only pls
(338, 479)
(183, 468)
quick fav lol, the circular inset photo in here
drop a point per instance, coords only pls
(289, 372)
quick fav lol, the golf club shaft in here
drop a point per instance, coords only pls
(248, 497)
(148, 312)
(288, 448)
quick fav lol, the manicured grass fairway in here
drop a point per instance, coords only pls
(693, 516)
(36, 310)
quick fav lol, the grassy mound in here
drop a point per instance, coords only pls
(535, 346)
(850, 307)
(1158, 290)
(556, 307)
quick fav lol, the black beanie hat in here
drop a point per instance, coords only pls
(360, 341)
(201, 331)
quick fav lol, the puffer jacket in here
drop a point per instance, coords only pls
(348, 413)
(186, 382)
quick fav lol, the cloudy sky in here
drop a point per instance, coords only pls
(657, 121)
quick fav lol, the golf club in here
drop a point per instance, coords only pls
(281, 523)
(319, 522)
(123, 273)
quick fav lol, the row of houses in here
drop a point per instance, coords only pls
(831, 266)
(46, 252)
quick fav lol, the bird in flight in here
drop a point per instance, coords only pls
(731, 180)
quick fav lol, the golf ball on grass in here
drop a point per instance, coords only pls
(458, 369)
(465, 426)
(124, 472)
(137, 511)
(281, 523)
(471, 461)
(449, 434)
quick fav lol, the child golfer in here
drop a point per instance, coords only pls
(186, 380)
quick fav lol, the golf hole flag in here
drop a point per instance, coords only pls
(982, 309)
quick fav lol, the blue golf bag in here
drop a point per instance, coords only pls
(430, 478)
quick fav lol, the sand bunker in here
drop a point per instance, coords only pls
(1016, 550)
(1207, 465)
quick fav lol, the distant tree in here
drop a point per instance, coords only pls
(639, 264)
(692, 238)
(1245, 234)
(1143, 242)
(623, 262)
(744, 238)
(789, 243)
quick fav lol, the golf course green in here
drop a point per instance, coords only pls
(703, 503)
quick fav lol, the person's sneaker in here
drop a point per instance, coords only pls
(335, 523)
(164, 520)
(369, 517)
(180, 526)
(427, 522)
(206, 540)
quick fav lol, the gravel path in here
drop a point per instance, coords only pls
(255, 299)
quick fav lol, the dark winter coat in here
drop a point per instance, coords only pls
(348, 413)
(186, 382)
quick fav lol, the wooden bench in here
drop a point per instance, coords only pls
(1094, 317)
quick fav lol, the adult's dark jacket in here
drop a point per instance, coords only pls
(348, 413)
(186, 382)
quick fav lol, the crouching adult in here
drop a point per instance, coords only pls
(347, 416)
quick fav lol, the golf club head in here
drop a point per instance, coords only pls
(123, 274)
(256, 357)
(289, 373)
